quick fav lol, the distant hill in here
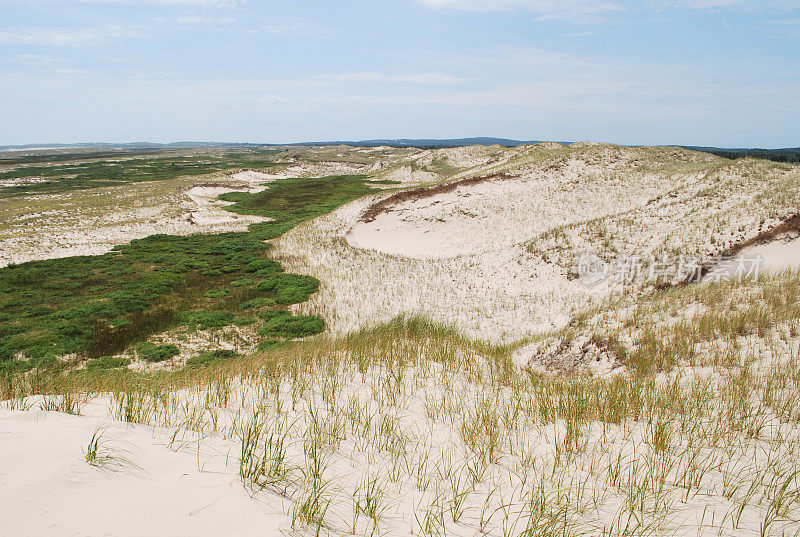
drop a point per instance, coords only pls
(427, 143)
(791, 154)
(401, 142)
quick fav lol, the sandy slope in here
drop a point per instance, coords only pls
(160, 491)
(495, 257)
(779, 254)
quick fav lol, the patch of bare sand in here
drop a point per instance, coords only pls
(782, 253)
(146, 488)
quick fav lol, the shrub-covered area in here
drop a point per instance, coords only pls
(292, 201)
(212, 357)
(259, 302)
(85, 170)
(282, 324)
(290, 288)
(206, 319)
(97, 306)
(151, 352)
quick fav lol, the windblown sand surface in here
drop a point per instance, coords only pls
(782, 253)
(156, 490)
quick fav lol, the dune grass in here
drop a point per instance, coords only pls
(411, 428)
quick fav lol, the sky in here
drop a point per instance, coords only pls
(722, 73)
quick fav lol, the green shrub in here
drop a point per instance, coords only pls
(244, 321)
(120, 322)
(216, 293)
(28, 365)
(151, 352)
(128, 302)
(292, 327)
(242, 282)
(264, 265)
(206, 319)
(257, 303)
(211, 357)
(290, 288)
(274, 314)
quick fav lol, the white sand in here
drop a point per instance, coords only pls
(780, 254)
(777, 255)
(51, 490)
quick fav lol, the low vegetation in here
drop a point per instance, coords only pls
(99, 305)
(411, 428)
(52, 174)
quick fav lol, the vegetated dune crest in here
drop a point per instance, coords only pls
(496, 256)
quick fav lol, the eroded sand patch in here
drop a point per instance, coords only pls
(781, 253)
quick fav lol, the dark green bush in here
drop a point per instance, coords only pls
(290, 288)
(264, 264)
(156, 353)
(292, 327)
(206, 319)
(216, 293)
(257, 303)
(274, 314)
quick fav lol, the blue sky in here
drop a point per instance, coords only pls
(699, 72)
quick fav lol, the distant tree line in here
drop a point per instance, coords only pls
(791, 154)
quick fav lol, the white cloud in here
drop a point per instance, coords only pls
(585, 9)
(270, 98)
(541, 7)
(177, 3)
(716, 4)
(374, 77)
(63, 37)
(196, 19)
